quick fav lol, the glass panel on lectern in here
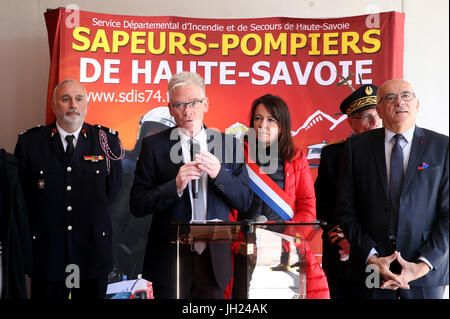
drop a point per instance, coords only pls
(269, 258)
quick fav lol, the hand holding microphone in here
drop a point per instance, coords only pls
(201, 161)
(189, 171)
(194, 150)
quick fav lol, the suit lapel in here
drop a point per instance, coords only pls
(379, 155)
(174, 138)
(55, 141)
(417, 148)
(82, 143)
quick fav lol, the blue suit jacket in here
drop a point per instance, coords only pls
(363, 203)
(154, 192)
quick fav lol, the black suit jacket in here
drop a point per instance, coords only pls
(154, 192)
(14, 230)
(423, 218)
(52, 183)
(325, 187)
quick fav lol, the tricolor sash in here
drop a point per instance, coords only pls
(272, 194)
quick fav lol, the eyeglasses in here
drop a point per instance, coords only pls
(391, 98)
(369, 117)
(191, 104)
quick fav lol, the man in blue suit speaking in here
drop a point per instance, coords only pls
(393, 202)
(178, 179)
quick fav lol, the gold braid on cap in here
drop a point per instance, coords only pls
(361, 102)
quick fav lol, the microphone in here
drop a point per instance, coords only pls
(261, 219)
(195, 149)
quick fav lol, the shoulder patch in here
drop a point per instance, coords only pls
(337, 142)
(106, 129)
(32, 129)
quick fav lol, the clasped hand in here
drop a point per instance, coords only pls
(410, 271)
(204, 162)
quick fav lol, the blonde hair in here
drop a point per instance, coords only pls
(185, 78)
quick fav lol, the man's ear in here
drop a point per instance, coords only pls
(350, 122)
(206, 103)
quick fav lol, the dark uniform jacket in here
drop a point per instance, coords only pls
(364, 212)
(14, 230)
(69, 201)
(154, 192)
(326, 191)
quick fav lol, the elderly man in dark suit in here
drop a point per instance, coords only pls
(361, 117)
(393, 202)
(164, 187)
(69, 182)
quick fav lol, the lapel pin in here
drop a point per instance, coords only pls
(83, 131)
(53, 132)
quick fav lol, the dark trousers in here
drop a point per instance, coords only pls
(197, 280)
(339, 288)
(243, 272)
(362, 292)
(88, 290)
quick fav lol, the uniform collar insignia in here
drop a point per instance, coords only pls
(53, 132)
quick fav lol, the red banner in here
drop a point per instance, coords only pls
(125, 63)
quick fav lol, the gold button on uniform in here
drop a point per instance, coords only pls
(69, 188)
(69, 169)
(69, 208)
(69, 227)
(97, 172)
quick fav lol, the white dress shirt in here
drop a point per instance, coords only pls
(405, 144)
(63, 134)
(185, 146)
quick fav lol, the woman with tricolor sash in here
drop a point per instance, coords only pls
(282, 185)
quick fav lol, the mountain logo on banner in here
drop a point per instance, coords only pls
(317, 117)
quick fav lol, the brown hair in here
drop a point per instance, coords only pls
(280, 112)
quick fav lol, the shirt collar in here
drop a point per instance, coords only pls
(407, 135)
(200, 137)
(64, 133)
